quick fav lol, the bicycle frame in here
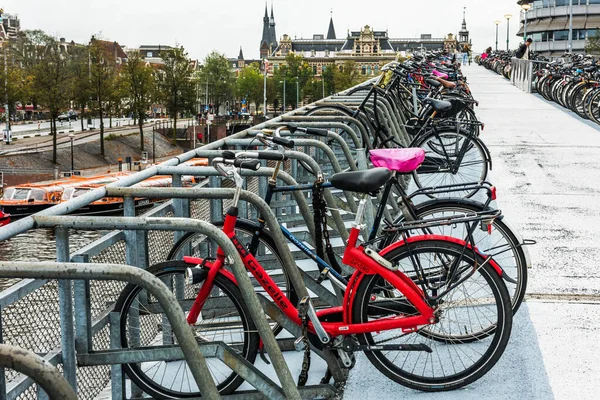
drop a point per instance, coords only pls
(353, 256)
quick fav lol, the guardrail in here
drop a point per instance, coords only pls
(83, 335)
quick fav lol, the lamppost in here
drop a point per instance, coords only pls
(283, 81)
(508, 17)
(72, 136)
(297, 92)
(497, 23)
(526, 7)
(570, 26)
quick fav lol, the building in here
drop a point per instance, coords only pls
(548, 24)
(9, 26)
(369, 48)
(152, 54)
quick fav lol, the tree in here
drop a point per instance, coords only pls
(138, 79)
(592, 46)
(53, 83)
(102, 79)
(217, 74)
(347, 77)
(177, 89)
(250, 84)
(295, 67)
(15, 84)
(82, 89)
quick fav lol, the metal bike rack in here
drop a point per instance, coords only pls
(133, 241)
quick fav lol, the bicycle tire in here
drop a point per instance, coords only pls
(444, 337)
(192, 244)
(241, 332)
(502, 243)
(476, 155)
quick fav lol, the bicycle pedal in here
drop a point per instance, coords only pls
(382, 261)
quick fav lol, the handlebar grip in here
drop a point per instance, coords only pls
(284, 142)
(269, 155)
(228, 155)
(253, 165)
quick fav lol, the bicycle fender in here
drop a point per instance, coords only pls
(488, 155)
(422, 238)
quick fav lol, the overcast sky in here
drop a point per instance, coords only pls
(202, 26)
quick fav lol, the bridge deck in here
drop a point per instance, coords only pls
(547, 173)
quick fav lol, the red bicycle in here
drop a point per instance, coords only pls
(424, 334)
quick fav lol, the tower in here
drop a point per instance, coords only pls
(272, 31)
(463, 34)
(331, 30)
(266, 37)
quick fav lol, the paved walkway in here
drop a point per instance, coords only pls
(547, 171)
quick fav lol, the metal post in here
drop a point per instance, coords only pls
(297, 92)
(266, 65)
(284, 107)
(497, 24)
(525, 26)
(65, 299)
(72, 159)
(570, 26)
(508, 16)
(153, 145)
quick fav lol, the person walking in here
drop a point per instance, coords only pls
(523, 51)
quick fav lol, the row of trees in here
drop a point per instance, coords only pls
(41, 70)
(298, 75)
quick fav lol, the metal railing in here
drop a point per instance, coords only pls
(82, 336)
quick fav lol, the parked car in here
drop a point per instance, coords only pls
(71, 115)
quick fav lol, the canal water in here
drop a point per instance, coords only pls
(40, 245)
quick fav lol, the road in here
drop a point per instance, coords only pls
(44, 127)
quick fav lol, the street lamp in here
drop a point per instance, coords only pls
(72, 136)
(283, 81)
(526, 7)
(508, 17)
(297, 92)
(497, 23)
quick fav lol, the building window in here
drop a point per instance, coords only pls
(377, 70)
(149, 54)
(364, 70)
(561, 35)
(369, 70)
(314, 69)
(275, 67)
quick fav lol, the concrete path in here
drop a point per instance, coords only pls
(547, 172)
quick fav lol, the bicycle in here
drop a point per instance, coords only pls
(499, 240)
(432, 320)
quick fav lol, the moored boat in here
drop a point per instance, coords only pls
(22, 200)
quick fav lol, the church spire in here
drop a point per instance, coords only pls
(266, 35)
(464, 23)
(331, 30)
(241, 55)
(272, 34)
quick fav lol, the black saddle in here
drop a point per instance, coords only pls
(361, 181)
(438, 105)
(433, 83)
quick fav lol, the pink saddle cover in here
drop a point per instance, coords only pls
(399, 160)
(439, 74)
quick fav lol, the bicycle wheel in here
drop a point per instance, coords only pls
(197, 245)
(473, 168)
(502, 243)
(224, 318)
(473, 307)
